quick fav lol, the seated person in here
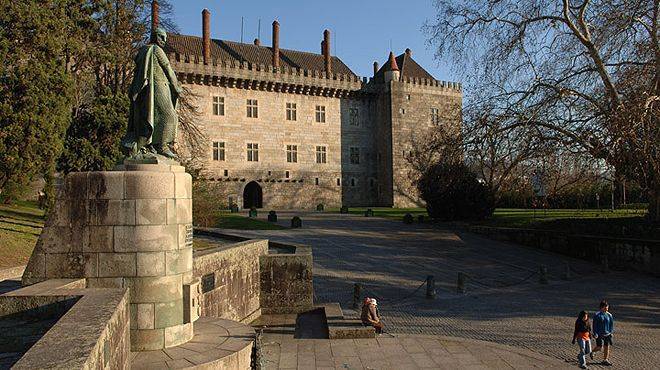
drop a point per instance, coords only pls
(370, 315)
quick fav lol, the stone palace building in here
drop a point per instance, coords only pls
(293, 129)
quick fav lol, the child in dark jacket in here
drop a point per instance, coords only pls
(582, 335)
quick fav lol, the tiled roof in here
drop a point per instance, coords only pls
(228, 50)
(408, 68)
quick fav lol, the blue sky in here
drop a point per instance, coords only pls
(361, 29)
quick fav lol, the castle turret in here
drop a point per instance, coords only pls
(393, 72)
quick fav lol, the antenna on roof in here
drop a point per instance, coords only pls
(241, 30)
(259, 30)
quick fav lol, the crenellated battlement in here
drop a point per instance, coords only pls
(296, 80)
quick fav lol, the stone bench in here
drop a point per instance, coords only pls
(340, 327)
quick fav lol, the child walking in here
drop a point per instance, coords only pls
(582, 335)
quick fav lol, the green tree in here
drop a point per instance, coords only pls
(35, 91)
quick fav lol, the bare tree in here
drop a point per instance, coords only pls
(586, 73)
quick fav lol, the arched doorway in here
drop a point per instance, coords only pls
(252, 195)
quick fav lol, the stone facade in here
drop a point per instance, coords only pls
(130, 228)
(364, 133)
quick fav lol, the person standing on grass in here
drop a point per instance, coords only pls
(603, 323)
(582, 335)
(370, 315)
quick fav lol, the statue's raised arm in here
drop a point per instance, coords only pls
(153, 121)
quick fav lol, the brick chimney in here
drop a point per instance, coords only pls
(154, 16)
(206, 35)
(375, 68)
(257, 42)
(326, 51)
(276, 45)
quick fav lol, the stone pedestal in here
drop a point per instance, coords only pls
(127, 228)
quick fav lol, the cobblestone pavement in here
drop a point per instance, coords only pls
(504, 302)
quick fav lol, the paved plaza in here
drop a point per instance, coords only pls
(504, 303)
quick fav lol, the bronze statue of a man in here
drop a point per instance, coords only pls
(153, 121)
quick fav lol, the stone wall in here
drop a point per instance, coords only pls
(287, 281)
(230, 280)
(102, 313)
(634, 254)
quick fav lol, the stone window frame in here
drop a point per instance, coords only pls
(435, 116)
(291, 111)
(354, 155)
(252, 106)
(321, 154)
(320, 114)
(219, 150)
(402, 111)
(252, 152)
(354, 116)
(291, 153)
(218, 104)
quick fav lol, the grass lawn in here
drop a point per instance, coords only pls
(20, 226)
(228, 220)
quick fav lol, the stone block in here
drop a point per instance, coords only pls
(178, 262)
(149, 185)
(71, 265)
(59, 215)
(168, 313)
(184, 209)
(179, 334)
(133, 316)
(182, 185)
(117, 264)
(35, 270)
(62, 239)
(145, 238)
(155, 289)
(150, 211)
(100, 239)
(76, 185)
(171, 212)
(112, 212)
(192, 309)
(145, 315)
(147, 340)
(111, 282)
(183, 235)
(150, 263)
(105, 185)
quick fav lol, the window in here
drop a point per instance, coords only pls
(338, 182)
(286, 174)
(352, 181)
(402, 111)
(316, 181)
(226, 172)
(252, 108)
(320, 113)
(218, 151)
(321, 154)
(355, 155)
(408, 97)
(253, 152)
(291, 111)
(371, 183)
(435, 116)
(218, 106)
(354, 117)
(292, 153)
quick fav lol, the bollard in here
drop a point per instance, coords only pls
(460, 284)
(430, 287)
(272, 216)
(567, 272)
(408, 219)
(296, 222)
(543, 274)
(604, 264)
(356, 295)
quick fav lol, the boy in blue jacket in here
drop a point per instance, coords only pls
(603, 326)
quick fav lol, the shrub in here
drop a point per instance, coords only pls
(207, 203)
(408, 219)
(320, 207)
(452, 192)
